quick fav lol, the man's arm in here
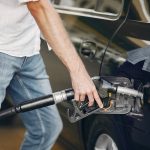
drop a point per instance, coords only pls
(55, 34)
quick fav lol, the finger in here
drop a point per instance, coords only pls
(91, 99)
(97, 99)
(82, 97)
(76, 97)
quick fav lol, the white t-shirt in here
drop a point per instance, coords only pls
(19, 33)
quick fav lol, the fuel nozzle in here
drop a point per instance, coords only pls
(117, 97)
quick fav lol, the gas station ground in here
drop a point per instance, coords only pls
(11, 137)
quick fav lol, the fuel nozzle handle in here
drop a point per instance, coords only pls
(64, 95)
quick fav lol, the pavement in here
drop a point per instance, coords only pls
(11, 137)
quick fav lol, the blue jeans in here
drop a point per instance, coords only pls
(25, 78)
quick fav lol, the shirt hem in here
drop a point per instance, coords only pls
(20, 54)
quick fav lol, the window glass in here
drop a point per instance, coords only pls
(107, 6)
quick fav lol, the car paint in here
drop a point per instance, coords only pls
(134, 131)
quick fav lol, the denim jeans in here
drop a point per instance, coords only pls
(25, 78)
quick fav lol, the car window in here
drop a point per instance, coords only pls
(92, 8)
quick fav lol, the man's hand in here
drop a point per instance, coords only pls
(55, 34)
(83, 86)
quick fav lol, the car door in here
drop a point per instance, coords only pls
(90, 33)
(90, 37)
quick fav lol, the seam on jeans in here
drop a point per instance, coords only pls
(23, 86)
(42, 127)
(38, 115)
(24, 61)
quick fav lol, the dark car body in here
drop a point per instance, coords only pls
(128, 132)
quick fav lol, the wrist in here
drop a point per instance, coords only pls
(77, 68)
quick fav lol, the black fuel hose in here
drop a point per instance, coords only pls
(64, 95)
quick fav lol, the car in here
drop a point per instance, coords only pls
(90, 25)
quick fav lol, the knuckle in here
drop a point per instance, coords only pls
(90, 103)
(96, 96)
(94, 89)
(77, 92)
(91, 99)
(82, 98)
(76, 98)
(82, 93)
(88, 92)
